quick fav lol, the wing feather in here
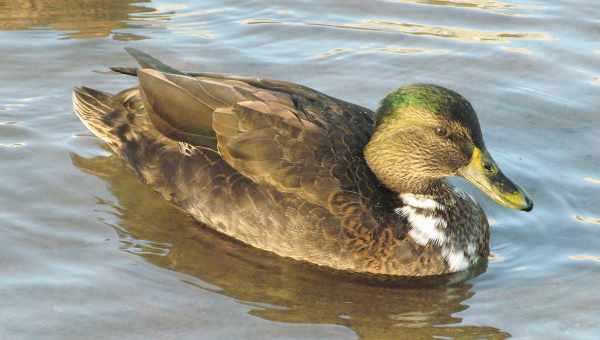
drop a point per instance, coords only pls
(280, 134)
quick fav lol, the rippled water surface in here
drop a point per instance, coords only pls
(88, 251)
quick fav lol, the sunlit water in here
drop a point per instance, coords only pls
(88, 251)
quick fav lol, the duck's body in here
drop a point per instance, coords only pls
(281, 167)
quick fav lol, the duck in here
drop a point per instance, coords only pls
(289, 170)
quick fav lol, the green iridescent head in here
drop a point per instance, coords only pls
(427, 132)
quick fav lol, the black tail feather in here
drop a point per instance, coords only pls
(130, 71)
(147, 61)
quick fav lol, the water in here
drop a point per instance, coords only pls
(87, 250)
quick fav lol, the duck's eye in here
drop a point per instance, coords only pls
(440, 131)
(488, 167)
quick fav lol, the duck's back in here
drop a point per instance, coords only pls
(275, 165)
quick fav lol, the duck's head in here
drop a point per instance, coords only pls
(425, 133)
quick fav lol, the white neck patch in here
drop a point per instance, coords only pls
(429, 229)
(421, 202)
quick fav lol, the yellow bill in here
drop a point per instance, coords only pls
(483, 172)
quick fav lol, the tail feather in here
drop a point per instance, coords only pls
(130, 71)
(88, 101)
(147, 61)
(95, 110)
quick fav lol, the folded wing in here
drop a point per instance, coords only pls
(281, 134)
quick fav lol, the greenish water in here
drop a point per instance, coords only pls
(88, 251)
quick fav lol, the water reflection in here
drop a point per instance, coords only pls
(334, 52)
(520, 50)
(490, 5)
(586, 219)
(80, 18)
(277, 289)
(592, 180)
(585, 258)
(448, 32)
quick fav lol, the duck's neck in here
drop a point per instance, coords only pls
(396, 168)
(402, 180)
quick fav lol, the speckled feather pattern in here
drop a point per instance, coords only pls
(448, 225)
(287, 175)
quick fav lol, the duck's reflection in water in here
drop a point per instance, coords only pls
(282, 290)
(81, 19)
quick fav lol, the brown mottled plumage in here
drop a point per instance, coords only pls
(278, 166)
